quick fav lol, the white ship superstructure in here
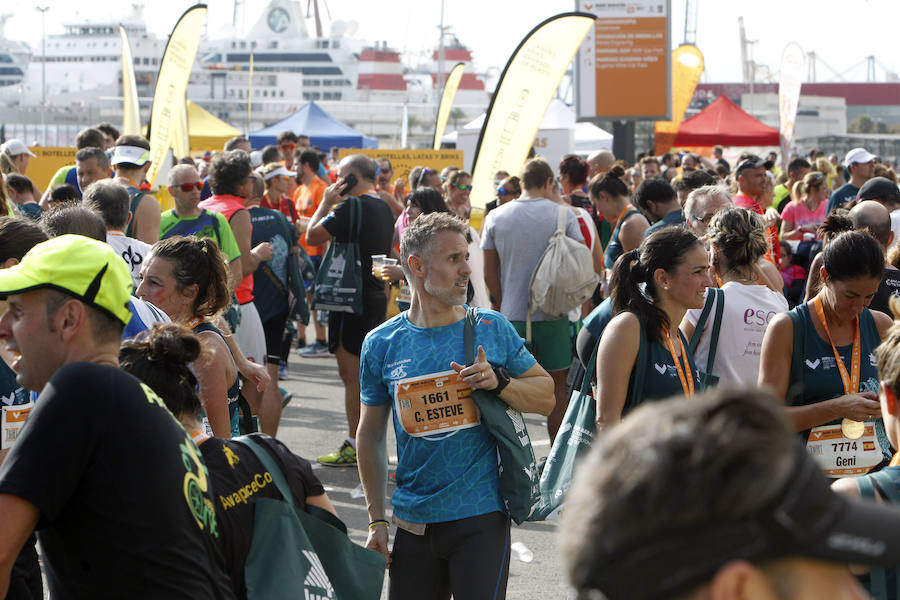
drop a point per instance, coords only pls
(83, 64)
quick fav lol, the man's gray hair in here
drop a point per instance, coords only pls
(177, 170)
(109, 199)
(418, 238)
(701, 195)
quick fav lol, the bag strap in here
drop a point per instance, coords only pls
(640, 367)
(796, 374)
(469, 334)
(356, 216)
(717, 325)
(590, 371)
(562, 217)
(265, 268)
(701, 321)
(271, 466)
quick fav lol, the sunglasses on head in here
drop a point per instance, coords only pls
(187, 187)
(463, 187)
(422, 174)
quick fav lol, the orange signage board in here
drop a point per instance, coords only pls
(623, 69)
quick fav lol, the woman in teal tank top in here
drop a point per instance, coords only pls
(642, 354)
(820, 359)
(611, 200)
(885, 484)
(188, 279)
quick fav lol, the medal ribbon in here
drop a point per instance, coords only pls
(851, 380)
(687, 382)
(193, 322)
(618, 221)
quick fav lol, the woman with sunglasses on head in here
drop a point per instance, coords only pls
(819, 358)
(673, 266)
(163, 359)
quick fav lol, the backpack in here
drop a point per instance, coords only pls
(564, 277)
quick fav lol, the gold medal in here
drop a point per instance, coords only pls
(853, 430)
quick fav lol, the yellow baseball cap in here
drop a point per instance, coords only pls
(76, 265)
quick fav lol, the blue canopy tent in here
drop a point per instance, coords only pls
(323, 130)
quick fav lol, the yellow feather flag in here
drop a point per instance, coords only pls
(526, 87)
(687, 67)
(171, 85)
(131, 112)
(447, 96)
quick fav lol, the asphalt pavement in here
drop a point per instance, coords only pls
(314, 423)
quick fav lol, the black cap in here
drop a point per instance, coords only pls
(805, 519)
(879, 188)
(751, 161)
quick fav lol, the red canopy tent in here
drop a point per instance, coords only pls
(724, 123)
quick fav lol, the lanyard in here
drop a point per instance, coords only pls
(193, 322)
(198, 437)
(687, 382)
(851, 380)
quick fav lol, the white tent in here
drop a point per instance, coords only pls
(558, 135)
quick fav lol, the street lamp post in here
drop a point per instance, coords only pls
(43, 10)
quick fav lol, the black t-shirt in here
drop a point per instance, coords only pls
(124, 498)
(238, 479)
(375, 236)
(889, 286)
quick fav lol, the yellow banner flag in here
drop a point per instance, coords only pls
(450, 87)
(523, 94)
(131, 112)
(180, 142)
(171, 85)
(687, 67)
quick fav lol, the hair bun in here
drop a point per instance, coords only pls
(173, 344)
(616, 171)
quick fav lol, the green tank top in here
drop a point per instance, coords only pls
(815, 376)
(660, 378)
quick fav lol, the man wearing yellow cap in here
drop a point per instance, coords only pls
(111, 482)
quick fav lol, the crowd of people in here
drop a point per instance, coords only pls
(774, 287)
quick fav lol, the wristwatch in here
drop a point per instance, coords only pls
(502, 379)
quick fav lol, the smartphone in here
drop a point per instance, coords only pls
(350, 182)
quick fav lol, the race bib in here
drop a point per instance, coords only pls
(839, 456)
(436, 403)
(12, 421)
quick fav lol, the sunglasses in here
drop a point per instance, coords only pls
(463, 187)
(187, 187)
(288, 146)
(502, 192)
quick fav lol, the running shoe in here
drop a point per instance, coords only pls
(283, 372)
(345, 457)
(317, 350)
(286, 396)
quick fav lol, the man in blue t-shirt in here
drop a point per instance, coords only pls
(861, 164)
(453, 530)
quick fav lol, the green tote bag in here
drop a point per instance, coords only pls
(305, 554)
(338, 284)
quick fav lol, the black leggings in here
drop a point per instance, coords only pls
(468, 558)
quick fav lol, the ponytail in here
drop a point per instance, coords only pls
(664, 249)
